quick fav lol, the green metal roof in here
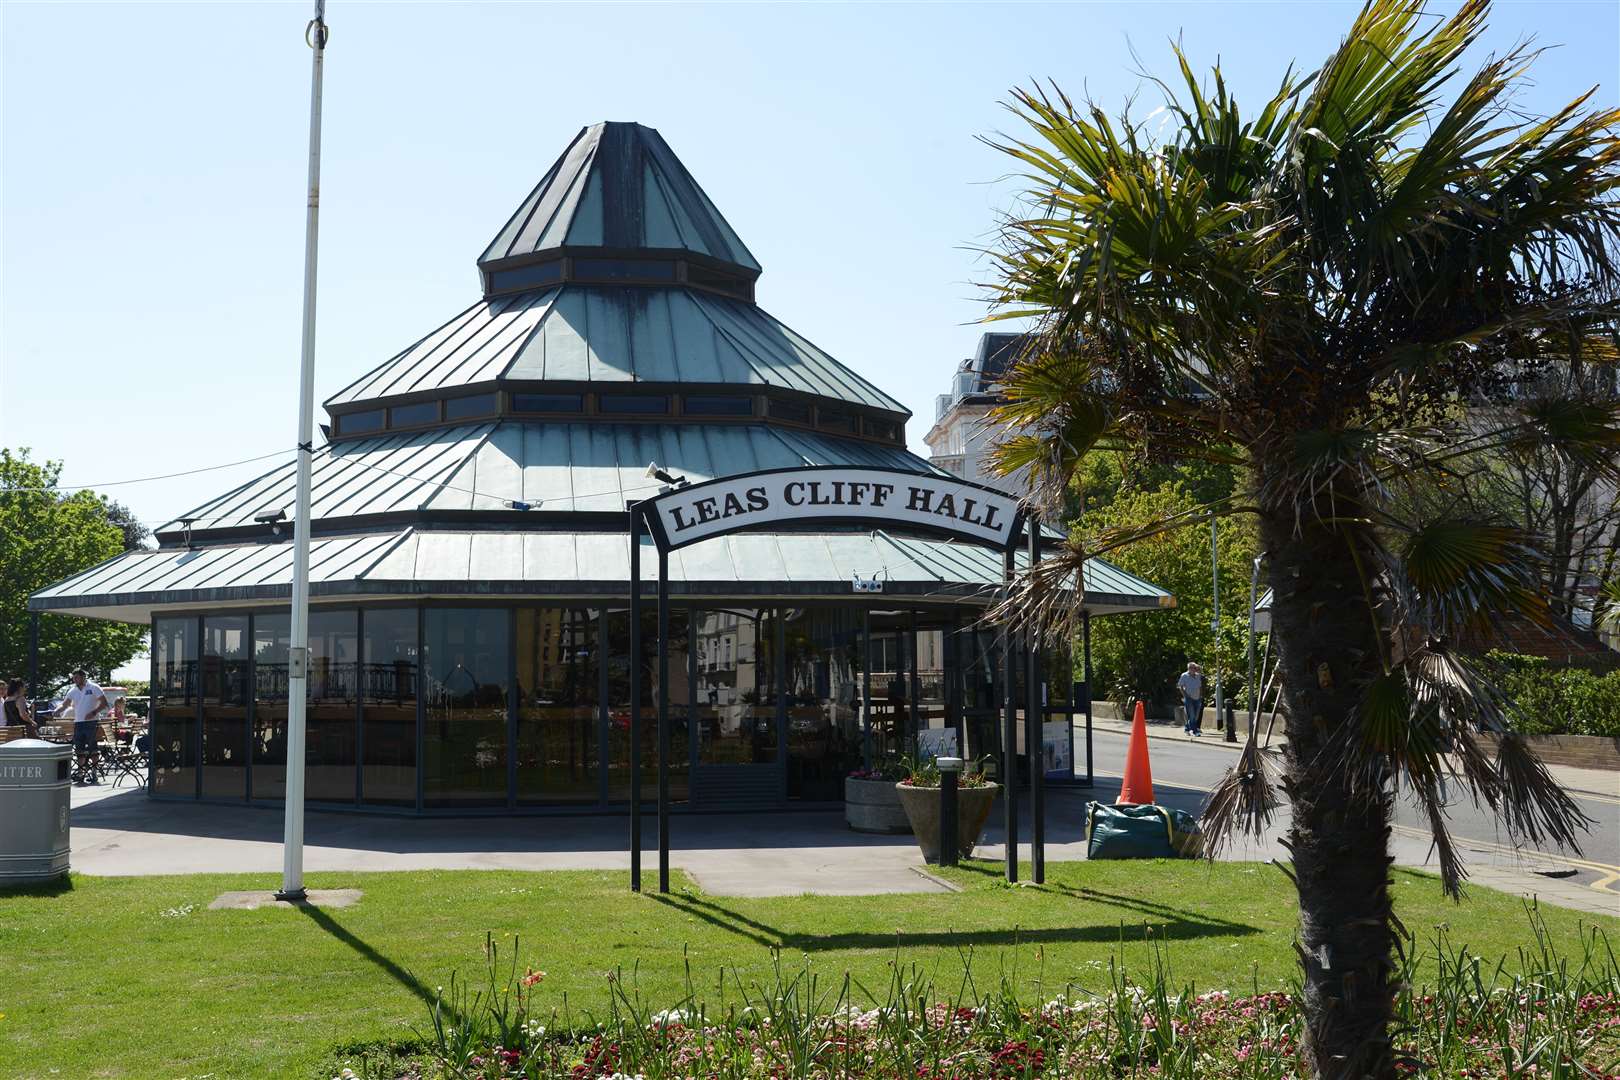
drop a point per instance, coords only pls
(565, 563)
(618, 187)
(615, 335)
(557, 467)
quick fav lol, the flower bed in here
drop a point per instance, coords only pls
(1457, 1016)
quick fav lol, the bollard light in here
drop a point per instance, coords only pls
(949, 768)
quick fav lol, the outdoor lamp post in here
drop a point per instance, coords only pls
(1215, 627)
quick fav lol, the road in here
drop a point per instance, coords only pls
(1184, 771)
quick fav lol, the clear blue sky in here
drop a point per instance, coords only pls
(153, 179)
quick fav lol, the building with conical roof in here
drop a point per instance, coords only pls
(470, 644)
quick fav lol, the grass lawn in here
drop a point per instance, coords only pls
(135, 977)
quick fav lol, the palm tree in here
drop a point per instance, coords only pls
(1324, 291)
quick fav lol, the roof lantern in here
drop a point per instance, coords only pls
(618, 207)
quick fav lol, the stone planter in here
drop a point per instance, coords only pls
(873, 806)
(922, 809)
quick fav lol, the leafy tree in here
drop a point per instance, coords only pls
(1141, 656)
(1316, 290)
(50, 535)
(135, 533)
(1537, 489)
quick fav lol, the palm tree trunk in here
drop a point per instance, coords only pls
(1339, 840)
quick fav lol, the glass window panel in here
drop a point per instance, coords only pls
(174, 707)
(834, 420)
(623, 270)
(526, 277)
(887, 430)
(330, 721)
(464, 740)
(716, 405)
(334, 694)
(892, 732)
(461, 408)
(932, 641)
(713, 279)
(358, 423)
(559, 694)
(388, 707)
(633, 404)
(736, 692)
(823, 685)
(224, 675)
(980, 660)
(423, 412)
(272, 634)
(618, 662)
(796, 411)
(548, 403)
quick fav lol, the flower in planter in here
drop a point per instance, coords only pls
(923, 771)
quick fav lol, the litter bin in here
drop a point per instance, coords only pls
(34, 796)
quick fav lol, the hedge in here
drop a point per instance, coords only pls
(1558, 701)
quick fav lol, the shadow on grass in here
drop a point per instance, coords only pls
(1135, 916)
(389, 967)
(56, 887)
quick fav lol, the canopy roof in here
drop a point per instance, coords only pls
(618, 187)
(614, 335)
(618, 305)
(555, 468)
(412, 562)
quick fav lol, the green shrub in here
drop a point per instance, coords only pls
(1558, 701)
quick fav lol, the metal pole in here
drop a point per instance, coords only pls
(33, 657)
(1085, 640)
(1254, 598)
(866, 687)
(1215, 626)
(663, 721)
(1009, 726)
(292, 850)
(1034, 730)
(635, 697)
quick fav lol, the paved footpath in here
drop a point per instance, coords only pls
(1184, 770)
(122, 832)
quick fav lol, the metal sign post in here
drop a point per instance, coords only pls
(635, 697)
(690, 513)
(1035, 728)
(1009, 726)
(663, 721)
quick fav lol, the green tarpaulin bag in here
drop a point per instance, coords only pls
(1140, 832)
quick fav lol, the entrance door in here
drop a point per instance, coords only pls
(822, 660)
(738, 729)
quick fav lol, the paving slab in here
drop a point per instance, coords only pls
(252, 901)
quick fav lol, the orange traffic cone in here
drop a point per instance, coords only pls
(1138, 786)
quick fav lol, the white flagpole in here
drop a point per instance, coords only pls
(292, 866)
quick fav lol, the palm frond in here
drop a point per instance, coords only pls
(1419, 730)
(1452, 576)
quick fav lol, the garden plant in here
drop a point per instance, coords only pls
(1552, 1016)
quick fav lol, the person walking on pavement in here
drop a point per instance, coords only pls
(1191, 685)
(87, 702)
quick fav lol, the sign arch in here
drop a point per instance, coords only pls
(833, 494)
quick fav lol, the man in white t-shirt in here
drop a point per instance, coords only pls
(87, 702)
(1191, 685)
